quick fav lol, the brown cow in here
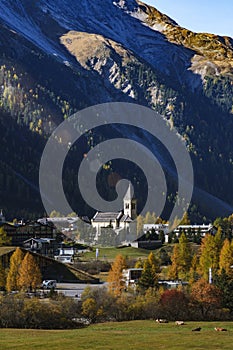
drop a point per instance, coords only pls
(219, 329)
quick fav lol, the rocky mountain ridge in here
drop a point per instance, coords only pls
(59, 56)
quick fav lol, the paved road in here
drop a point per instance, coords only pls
(76, 289)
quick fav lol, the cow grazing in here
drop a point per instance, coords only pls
(161, 320)
(179, 323)
(219, 329)
(196, 329)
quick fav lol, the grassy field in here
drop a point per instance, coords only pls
(110, 253)
(136, 335)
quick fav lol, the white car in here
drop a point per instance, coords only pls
(49, 284)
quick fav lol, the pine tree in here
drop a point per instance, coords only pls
(2, 277)
(13, 274)
(224, 282)
(149, 278)
(116, 283)
(29, 273)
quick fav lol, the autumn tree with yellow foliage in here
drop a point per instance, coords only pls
(5, 240)
(226, 257)
(181, 259)
(116, 284)
(13, 274)
(2, 277)
(29, 274)
(210, 254)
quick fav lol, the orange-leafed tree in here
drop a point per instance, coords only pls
(29, 274)
(13, 274)
(116, 283)
(206, 296)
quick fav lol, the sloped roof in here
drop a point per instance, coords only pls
(107, 217)
(126, 218)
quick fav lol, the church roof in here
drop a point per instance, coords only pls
(126, 218)
(107, 217)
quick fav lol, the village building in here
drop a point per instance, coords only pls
(121, 222)
(23, 231)
(202, 229)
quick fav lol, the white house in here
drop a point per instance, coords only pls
(202, 229)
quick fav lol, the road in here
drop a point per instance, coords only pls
(76, 289)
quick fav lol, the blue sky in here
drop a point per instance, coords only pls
(211, 16)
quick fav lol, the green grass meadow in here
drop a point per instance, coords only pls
(110, 253)
(135, 335)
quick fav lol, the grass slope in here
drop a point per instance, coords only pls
(134, 335)
(111, 252)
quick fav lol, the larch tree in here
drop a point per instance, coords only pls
(185, 220)
(181, 258)
(139, 264)
(13, 274)
(210, 252)
(29, 273)
(173, 272)
(185, 256)
(226, 257)
(2, 277)
(140, 223)
(116, 283)
(5, 240)
(193, 274)
(150, 218)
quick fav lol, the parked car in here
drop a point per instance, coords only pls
(49, 284)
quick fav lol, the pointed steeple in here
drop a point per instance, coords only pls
(2, 218)
(129, 193)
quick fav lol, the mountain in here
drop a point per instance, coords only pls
(60, 56)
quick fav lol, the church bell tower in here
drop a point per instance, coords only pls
(130, 203)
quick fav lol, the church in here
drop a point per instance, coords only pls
(118, 221)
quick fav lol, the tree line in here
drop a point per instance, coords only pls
(201, 298)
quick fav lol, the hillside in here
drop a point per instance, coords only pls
(60, 56)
